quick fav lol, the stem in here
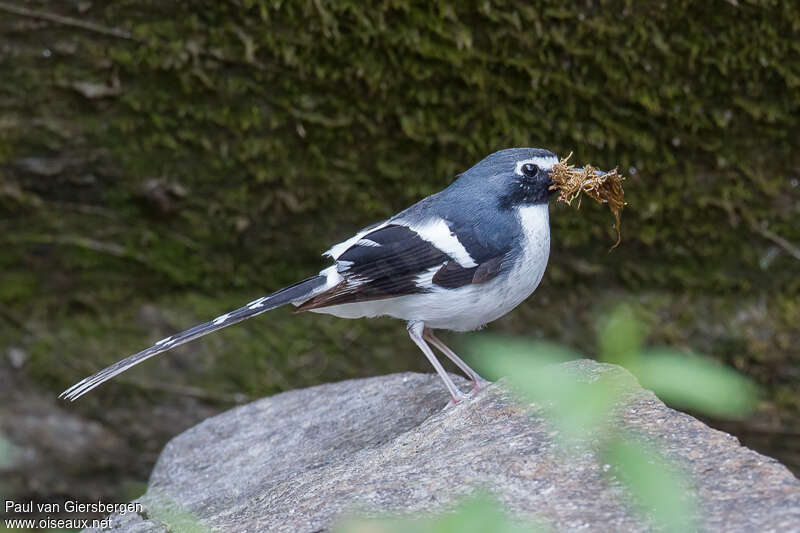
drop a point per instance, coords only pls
(67, 21)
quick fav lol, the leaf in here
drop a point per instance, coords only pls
(499, 356)
(658, 489)
(8, 452)
(578, 407)
(622, 337)
(476, 514)
(696, 383)
(173, 516)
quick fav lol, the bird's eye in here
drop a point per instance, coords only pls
(529, 170)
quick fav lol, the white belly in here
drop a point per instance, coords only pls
(470, 307)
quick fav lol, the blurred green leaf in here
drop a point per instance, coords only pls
(7, 453)
(579, 409)
(532, 371)
(696, 383)
(476, 514)
(495, 356)
(173, 516)
(621, 337)
(657, 489)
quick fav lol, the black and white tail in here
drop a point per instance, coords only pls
(297, 292)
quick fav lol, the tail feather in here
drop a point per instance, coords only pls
(298, 291)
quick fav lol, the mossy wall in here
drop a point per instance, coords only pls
(208, 153)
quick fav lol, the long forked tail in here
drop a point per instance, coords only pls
(297, 292)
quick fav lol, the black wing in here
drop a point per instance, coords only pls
(392, 261)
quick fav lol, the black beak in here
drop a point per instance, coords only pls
(549, 183)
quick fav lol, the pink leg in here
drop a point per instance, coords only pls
(478, 382)
(416, 332)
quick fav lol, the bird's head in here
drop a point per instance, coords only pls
(518, 176)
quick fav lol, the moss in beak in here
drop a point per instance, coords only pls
(603, 187)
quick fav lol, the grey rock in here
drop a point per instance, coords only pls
(300, 460)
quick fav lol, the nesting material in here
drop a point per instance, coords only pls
(604, 188)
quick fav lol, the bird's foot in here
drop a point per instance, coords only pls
(479, 384)
(460, 397)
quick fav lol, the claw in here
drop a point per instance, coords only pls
(454, 400)
(480, 384)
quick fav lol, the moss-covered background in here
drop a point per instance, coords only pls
(163, 162)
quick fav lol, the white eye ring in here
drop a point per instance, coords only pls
(544, 163)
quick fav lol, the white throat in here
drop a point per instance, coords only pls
(535, 222)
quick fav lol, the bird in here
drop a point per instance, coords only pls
(456, 260)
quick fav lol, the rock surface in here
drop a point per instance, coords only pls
(298, 460)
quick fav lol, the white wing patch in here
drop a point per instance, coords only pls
(437, 232)
(545, 163)
(338, 249)
(425, 280)
(332, 278)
